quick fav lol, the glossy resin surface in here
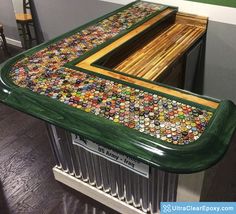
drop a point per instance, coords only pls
(149, 113)
(152, 126)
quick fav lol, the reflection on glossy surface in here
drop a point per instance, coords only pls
(70, 206)
(165, 119)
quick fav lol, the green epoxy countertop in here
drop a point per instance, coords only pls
(166, 131)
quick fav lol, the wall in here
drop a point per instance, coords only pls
(7, 18)
(55, 16)
(220, 71)
(228, 3)
(59, 16)
(18, 6)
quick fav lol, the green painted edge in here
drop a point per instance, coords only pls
(116, 136)
(201, 154)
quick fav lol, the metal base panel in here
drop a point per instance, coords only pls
(142, 187)
(190, 187)
(186, 191)
(94, 193)
(104, 171)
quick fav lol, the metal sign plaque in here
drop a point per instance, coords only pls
(109, 154)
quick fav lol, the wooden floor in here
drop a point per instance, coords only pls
(27, 184)
(13, 50)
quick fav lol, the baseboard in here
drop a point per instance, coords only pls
(94, 193)
(14, 42)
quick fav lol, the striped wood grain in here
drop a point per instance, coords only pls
(179, 38)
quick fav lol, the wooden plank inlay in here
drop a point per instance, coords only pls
(159, 53)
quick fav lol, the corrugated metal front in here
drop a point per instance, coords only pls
(114, 179)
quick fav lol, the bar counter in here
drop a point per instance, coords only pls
(102, 89)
